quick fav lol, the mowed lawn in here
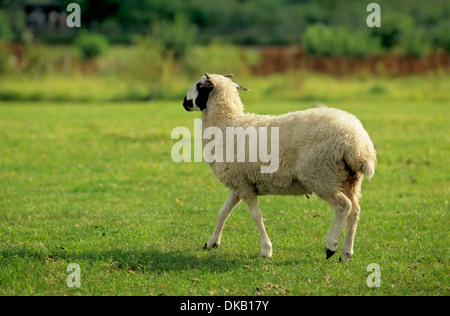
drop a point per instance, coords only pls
(94, 184)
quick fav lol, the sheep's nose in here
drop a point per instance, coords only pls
(188, 104)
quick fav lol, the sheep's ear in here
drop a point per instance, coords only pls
(207, 84)
(239, 87)
(231, 76)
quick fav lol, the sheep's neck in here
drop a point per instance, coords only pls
(222, 115)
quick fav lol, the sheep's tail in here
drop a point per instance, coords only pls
(368, 168)
(362, 160)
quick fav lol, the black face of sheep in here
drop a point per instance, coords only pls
(197, 96)
(188, 104)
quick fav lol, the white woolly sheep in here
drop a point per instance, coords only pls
(322, 150)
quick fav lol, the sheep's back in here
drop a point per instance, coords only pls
(312, 144)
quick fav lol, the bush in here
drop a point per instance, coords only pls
(399, 32)
(5, 57)
(320, 40)
(393, 27)
(317, 40)
(414, 43)
(216, 57)
(91, 45)
(13, 23)
(441, 35)
(144, 60)
(176, 36)
(6, 33)
(148, 62)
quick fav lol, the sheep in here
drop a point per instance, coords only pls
(322, 151)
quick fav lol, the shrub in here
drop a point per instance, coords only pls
(176, 36)
(144, 60)
(6, 33)
(320, 40)
(5, 57)
(441, 35)
(13, 23)
(91, 45)
(148, 62)
(414, 43)
(317, 41)
(393, 26)
(216, 57)
(360, 44)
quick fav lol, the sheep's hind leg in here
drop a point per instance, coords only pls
(352, 221)
(255, 211)
(342, 206)
(231, 202)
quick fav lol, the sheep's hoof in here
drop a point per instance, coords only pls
(345, 258)
(266, 254)
(205, 246)
(329, 253)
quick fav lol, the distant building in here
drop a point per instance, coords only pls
(45, 17)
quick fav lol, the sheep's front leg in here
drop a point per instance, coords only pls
(253, 205)
(231, 202)
(342, 206)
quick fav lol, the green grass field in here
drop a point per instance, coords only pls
(93, 183)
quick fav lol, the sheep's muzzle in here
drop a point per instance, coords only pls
(188, 104)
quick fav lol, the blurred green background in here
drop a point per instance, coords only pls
(133, 50)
